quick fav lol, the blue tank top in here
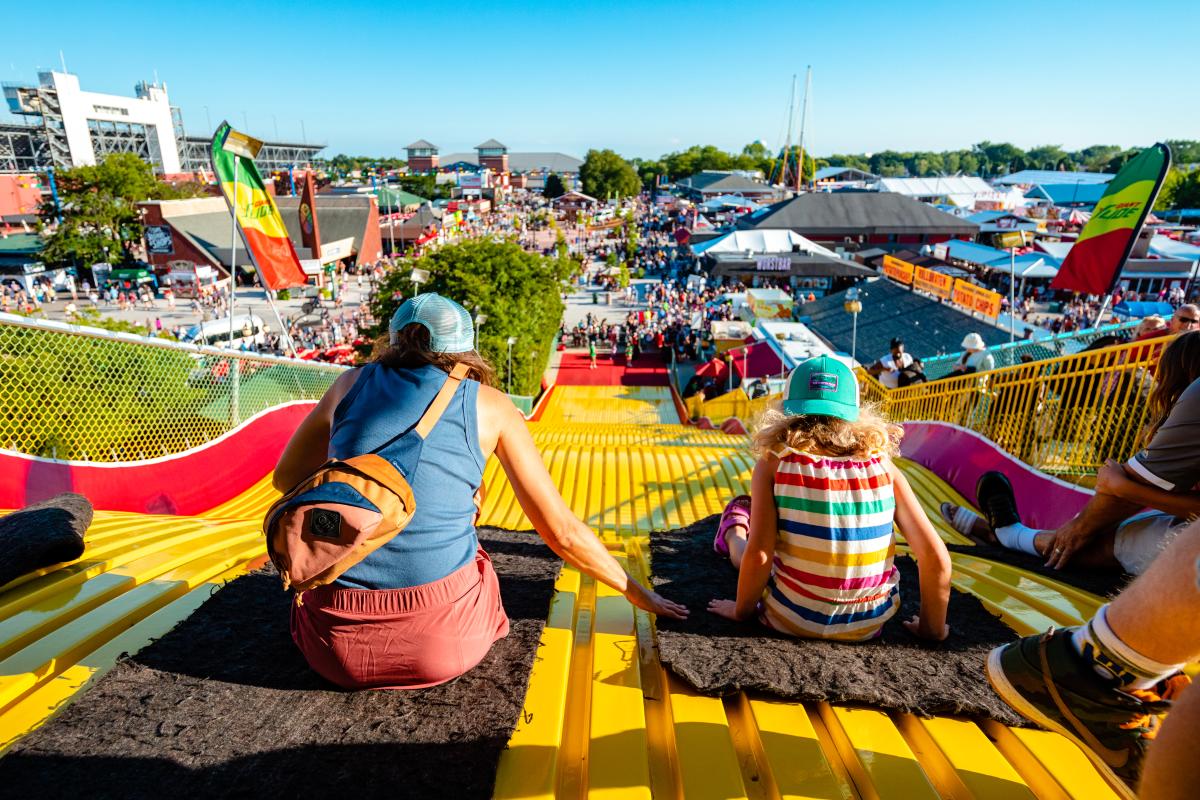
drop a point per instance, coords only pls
(440, 538)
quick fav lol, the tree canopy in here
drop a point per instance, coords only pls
(605, 174)
(99, 208)
(520, 292)
(986, 159)
(554, 186)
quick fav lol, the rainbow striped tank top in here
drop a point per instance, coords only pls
(833, 576)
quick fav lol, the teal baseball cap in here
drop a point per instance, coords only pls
(823, 385)
(450, 327)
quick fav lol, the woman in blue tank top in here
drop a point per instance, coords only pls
(426, 607)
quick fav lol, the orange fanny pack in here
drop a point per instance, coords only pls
(349, 508)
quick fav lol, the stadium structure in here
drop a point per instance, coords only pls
(68, 127)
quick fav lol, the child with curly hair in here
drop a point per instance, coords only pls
(814, 542)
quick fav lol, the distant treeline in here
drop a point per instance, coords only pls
(986, 159)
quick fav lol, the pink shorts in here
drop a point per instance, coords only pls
(401, 638)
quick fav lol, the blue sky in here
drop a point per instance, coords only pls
(643, 78)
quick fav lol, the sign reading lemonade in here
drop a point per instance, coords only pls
(898, 270)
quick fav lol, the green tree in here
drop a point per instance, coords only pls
(605, 174)
(99, 209)
(1180, 190)
(520, 293)
(554, 186)
(1048, 156)
(1096, 157)
(1184, 151)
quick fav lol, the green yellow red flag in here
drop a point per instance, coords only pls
(1093, 265)
(254, 209)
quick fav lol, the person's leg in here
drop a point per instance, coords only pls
(1105, 684)
(1091, 530)
(734, 530)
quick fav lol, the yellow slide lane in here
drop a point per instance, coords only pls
(602, 716)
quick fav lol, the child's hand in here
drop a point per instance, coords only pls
(921, 631)
(724, 608)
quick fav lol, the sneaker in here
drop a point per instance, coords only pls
(1047, 682)
(996, 500)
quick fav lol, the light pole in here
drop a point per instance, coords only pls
(419, 276)
(853, 305)
(508, 375)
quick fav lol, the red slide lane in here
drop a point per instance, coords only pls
(575, 370)
(186, 483)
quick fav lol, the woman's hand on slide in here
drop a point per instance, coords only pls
(921, 631)
(725, 608)
(655, 603)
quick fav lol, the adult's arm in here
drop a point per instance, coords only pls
(308, 448)
(1116, 479)
(558, 526)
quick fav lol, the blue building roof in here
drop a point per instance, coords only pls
(1035, 176)
(975, 253)
(1064, 194)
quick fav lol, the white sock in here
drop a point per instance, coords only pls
(1115, 660)
(1018, 537)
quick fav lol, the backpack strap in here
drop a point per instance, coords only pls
(441, 401)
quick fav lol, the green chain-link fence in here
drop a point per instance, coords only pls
(78, 393)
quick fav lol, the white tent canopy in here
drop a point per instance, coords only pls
(1030, 265)
(764, 240)
(1165, 247)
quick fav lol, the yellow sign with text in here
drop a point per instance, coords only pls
(975, 298)
(897, 270)
(936, 283)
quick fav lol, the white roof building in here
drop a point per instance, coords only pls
(966, 191)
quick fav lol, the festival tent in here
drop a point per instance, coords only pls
(764, 240)
(757, 360)
(974, 253)
(1028, 265)
(729, 201)
(1165, 247)
(1137, 310)
(1057, 249)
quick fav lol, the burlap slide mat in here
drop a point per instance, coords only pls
(895, 672)
(224, 705)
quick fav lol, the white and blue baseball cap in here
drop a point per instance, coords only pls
(450, 327)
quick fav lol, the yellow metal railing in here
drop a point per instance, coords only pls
(1062, 415)
(71, 392)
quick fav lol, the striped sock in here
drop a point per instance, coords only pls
(1115, 660)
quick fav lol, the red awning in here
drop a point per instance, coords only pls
(757, 361)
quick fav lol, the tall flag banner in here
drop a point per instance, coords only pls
(310, 231)
(262, 228)
(1094, 264)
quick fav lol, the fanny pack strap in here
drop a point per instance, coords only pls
(441, 401)
(432, 414)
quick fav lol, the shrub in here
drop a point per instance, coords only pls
(520, 293)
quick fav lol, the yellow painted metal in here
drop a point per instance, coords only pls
(1063, 415)
(601, 717)
(884, 760)
(598, 405)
